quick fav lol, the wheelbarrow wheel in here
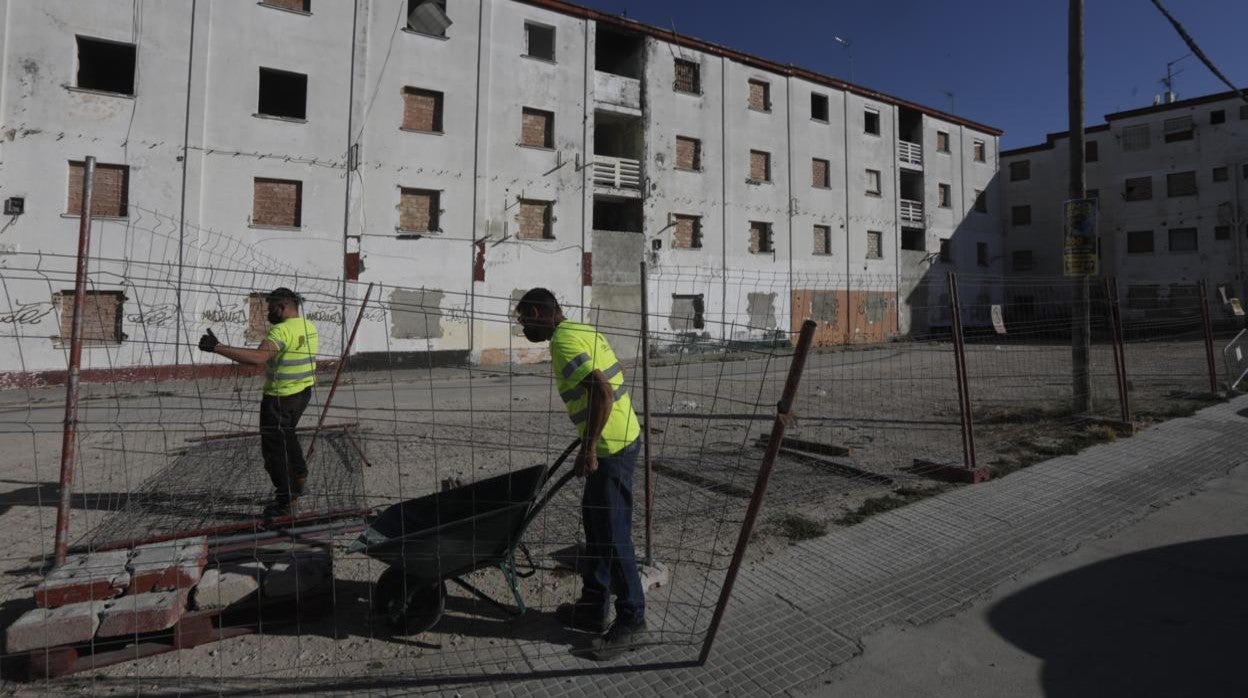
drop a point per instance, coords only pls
(409, 608)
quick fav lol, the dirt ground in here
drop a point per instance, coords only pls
(888, 405)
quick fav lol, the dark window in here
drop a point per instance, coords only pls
(981, 254)
(1182, 239)
(283, 94)
(1138, 188)
(1217, 116)
(946, 251)
(1139, 241)
(539, 41)
(294, 5)
(1244, 172)
(981, 202)
(913, 239)
(760, 238)
(1022, 260)
(1220, 174)
(107, 66)
(1179, 129)
(1243, 112)
(1020, 215)
(1181, 184)
(1135, 137)
(818, 106)
(1091, 153)
(1221, 232)
(871, 122)
(688, 77)
(1020, 170)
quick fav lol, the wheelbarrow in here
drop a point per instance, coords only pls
(442, 537)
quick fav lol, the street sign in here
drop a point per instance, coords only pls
(1079, 245)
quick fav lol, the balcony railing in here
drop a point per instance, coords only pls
(618, 173)
(910, 153)
(617, 90)
(911, 211)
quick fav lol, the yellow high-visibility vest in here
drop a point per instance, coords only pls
(293, 368)
(577, 350)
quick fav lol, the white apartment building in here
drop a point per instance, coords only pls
(1170, 180)
(530, 142)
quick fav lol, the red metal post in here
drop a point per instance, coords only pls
(783, 412)
(645, 409)
(69, 432)
(964, 392)
(342, 362)
(1120, 355)
(1206, 321)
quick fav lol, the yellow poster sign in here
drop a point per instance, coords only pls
(1079, 256)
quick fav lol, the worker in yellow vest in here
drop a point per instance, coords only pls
(288, 354)
(590, 381)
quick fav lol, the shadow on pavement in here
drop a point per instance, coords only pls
(1169, 621)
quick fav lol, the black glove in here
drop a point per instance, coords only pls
(208, 342)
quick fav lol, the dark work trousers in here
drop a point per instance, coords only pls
(607, 513)
(279, 442)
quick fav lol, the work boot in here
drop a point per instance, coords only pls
(620, 638)
(583, 615)
(279, 507)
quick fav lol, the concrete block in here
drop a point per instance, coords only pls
(142, 613)
(85, 577)
(219, 589)
(50, 627)
(176, 564)
(298, 576)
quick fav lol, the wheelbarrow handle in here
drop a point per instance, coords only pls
(551, 491)
(550, 472)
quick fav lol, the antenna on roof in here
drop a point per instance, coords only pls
(953, 108)
(1168, 82)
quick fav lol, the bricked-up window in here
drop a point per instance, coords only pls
(535, 220)
(980, 151)
(1091, 151)
(427, 26)
(760, 166)
(688, 77)
(873, 183)
(1181, 184)
(295, 5)
(1139, 241)
(1138, 188)
(1135, 138)
(945, 194)
(277, 203)
(1020, 170)
(818, 106)
(688, 153)
(823, 239)
(537, 128)
(875, 244)
(981, 254)
(981, 201)
(760, 95)
(1022, 260)
(686, 231)
(871, 121)
(257, 317)
(107, 66)
(1220, 174)
(1217, 116)
(946, 251)
(760, 238)
(1020, 215)
(422, 110)
(1182, 239)
(1221, 232)
(283, 94)
(819, 173)
(1178, 129)
(942, 142)
(110, 191)
(419, 210)
(539, 41)
(101, 316)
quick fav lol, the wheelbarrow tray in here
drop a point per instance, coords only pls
(449, 534)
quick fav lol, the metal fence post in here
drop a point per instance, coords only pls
(69, 431)
(1120, 355)
(645, 409)
(342, 362)
(1206, 322)
(783, 411)
(964, 392)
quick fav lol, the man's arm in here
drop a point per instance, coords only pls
(252, 357)
(601, 400)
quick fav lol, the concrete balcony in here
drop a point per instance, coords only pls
(617, 173)
(911, 211)
(910, 154)
(617, 93)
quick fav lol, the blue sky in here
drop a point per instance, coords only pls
(1003, 60)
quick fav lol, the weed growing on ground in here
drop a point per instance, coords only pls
(900, 497)
(798, 528)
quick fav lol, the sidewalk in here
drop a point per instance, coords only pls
(882, 608)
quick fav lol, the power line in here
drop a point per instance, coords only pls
(1191, 44)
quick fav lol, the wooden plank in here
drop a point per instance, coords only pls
(837, 467)
(807, 446)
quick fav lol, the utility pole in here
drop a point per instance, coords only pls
(1080, 323)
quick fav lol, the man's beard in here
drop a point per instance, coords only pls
(535, 333)
(275, 318)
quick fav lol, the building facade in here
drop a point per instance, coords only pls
(527, 142)
(1170, 181)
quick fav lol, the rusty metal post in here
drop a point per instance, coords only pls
(783, 412)
(645, 409)
(69, 431)
(959, 360)
(1206, 322)
(342, 362)
(1120, 354)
